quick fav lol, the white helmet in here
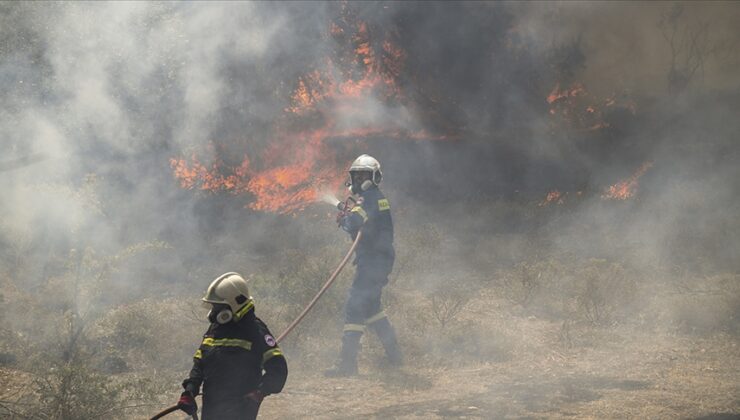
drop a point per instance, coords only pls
(229, 289)
(365, 163)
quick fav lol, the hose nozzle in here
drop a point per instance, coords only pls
(330, 199)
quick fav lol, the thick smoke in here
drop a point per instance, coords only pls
(99, 96)
(494, 106)
(116, 89)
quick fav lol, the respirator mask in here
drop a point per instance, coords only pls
(220, 313)
(359, 182)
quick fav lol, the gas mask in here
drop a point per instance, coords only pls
(358, 182)
(220, 314)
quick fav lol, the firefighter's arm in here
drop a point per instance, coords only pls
(275, 371)
(274, 366)
(194, 381)
(355, 218)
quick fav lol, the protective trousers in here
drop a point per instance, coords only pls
(387, 336)
(231, 409)
(363, 310)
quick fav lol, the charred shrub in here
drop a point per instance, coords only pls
(448, 303)
(528, 284)
(446, 307)
(602, 291)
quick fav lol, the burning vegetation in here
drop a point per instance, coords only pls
(574, 108)
(547, 171)
(328, 103)
(622, 190)
(627, 188)
(331, 114)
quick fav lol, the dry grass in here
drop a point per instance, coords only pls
(635, 375)
(548, 336)
(492, 360)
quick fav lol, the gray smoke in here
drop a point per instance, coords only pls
(99, 96)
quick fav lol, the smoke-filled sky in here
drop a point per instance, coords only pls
(101, 95)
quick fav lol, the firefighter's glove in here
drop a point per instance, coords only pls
(340, 216)
(187, 404)
(256, 396)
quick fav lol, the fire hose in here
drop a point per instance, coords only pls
(169, 410)
(323, 289)
(300, 317)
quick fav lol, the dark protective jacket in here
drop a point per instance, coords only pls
(233, 360)
(373, 215)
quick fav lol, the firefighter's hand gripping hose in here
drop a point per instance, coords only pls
(300, 317)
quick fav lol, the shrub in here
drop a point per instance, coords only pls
(74, 390)
(530, 284)
(594, 290)
(601, 290)
(447, 303)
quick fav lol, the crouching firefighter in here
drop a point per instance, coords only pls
(238, 362)
(374, 257)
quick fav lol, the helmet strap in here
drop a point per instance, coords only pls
(241, 312)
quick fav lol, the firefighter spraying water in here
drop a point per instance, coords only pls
(239, 362)
(368, 221)
(374, 259)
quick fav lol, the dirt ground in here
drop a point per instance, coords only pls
(632, 370)
(536, 370)
(672, 378)
(640, 375)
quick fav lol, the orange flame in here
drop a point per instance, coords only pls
(553, 196)
(626, 189)
(378, 76)
(297, 166)
(557, 94)
(288, 185)
(575, 108)
(197, 175)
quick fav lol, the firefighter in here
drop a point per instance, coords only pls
(238, 362)
(374, 259)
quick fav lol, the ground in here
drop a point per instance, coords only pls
(641, 375)
(493, 359)
(496, 359)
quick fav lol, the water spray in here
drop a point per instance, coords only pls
(342, 206)
(330, 199)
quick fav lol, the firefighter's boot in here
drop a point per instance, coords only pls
(347, 365)
(387, 336)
